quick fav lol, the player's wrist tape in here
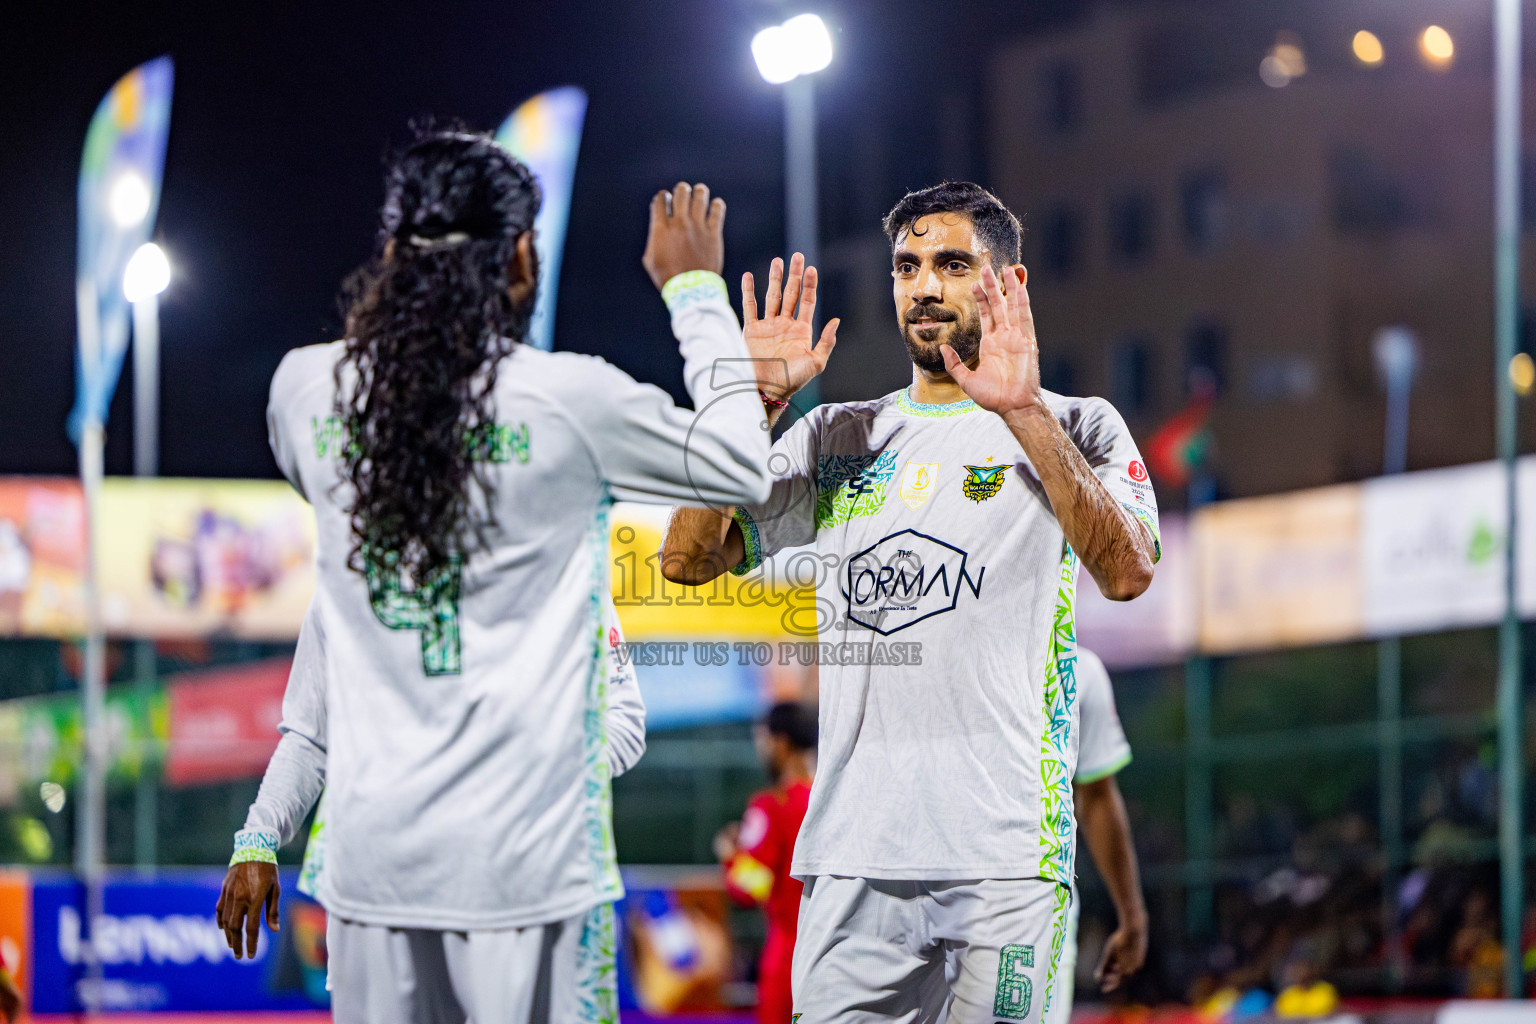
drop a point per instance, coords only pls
(751, 542)
(692, 287)
(254, 844)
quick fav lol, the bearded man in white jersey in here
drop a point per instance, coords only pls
(937, 848)
(461, 482)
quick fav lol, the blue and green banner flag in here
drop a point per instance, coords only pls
(545, 134)
(119, 195)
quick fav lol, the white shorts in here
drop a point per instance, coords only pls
(1061, 1001)
(561, 973)
(921, 952)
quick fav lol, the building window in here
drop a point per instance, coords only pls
(1061, 241)
(1132, 224)
(1130, 375)
(1058, 374)
(1368, 195)
(1205, 356)
(1061, 90)
(1203, 208)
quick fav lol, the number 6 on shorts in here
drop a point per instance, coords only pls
(1014, 989)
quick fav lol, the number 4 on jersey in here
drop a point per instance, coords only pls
(431, 608)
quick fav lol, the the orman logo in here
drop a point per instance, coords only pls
(917, 483)
(982, 482)
(905, 578)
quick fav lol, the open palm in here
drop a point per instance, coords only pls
(1007, 374)
(780, 340)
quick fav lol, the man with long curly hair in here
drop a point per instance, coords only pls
(461, 482)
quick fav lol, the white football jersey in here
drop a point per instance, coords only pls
(1102, 748)
(948, 684)
(465, 769)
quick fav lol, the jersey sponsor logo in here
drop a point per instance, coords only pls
(1138, 471)
(1015, 991)
(905, 578)
(982, 482)
(917, 483)
(852, 486)
(492, 442)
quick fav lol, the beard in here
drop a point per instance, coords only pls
(965, 339)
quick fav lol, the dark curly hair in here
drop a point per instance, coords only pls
(428, 320)
(995, 224)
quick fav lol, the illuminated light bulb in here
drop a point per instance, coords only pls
(128, 199)
(1437, 46)
(800, 46)
(1522, 373)
(1272, 72)
(1368, 49)
(148, 273)
(811, 41)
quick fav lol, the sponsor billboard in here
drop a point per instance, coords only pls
(223, 722)
(776, 601)
(1432, 549)
(1279, 572)
(42, 738)
(1158, 628)
(184, 558)
(42, 557)
(160, 949)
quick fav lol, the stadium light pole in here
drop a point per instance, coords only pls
(788, 55)
(1397, 357)
(147, 275)
(1506, 250)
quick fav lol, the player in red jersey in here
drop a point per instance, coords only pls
(756, 851)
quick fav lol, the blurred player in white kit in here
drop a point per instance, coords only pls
(461, 482)
(1106, 828)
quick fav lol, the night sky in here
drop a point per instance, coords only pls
(283, 111)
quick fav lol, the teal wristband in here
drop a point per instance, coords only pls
(692, 287)
(254, 844)
(751, 542)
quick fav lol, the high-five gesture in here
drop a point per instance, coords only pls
(687, 233)
(1007, 374)
(781, 337)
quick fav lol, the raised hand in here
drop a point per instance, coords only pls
(248, 889)
(1007, 374)
(780, 340)
(687, 233)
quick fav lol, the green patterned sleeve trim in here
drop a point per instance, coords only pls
(1157, 541)
(1113, 768)
(254, 844)
(751, 540)
(692, 287)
